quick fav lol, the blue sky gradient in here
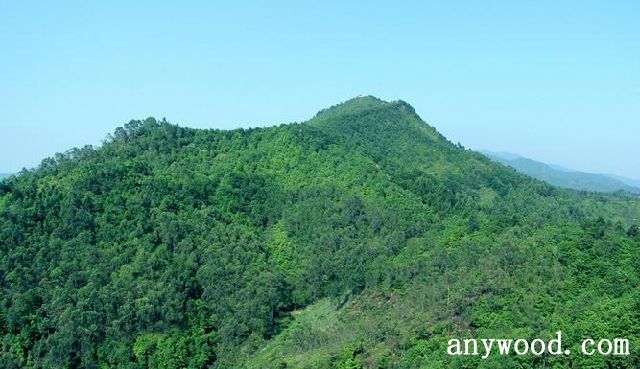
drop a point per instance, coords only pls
(555, 81)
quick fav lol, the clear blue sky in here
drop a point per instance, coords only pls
(557, 81)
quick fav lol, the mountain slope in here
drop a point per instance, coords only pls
(361, 238)
(562, 177)
(628, 181)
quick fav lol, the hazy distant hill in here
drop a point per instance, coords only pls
(4, 175)
(627, 181)
(563, 177)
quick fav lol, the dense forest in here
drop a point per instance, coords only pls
(361, 238)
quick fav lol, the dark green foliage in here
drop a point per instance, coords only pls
(172, 247)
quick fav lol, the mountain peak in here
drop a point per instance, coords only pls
(362, 103)
(354, 105)
(370, 111)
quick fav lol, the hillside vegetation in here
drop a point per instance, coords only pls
(359, 239)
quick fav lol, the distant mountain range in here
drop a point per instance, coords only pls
(563, 177)
(4, 175)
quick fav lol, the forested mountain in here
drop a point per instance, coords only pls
(566, 178)
(4, 175)
(361, 238)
